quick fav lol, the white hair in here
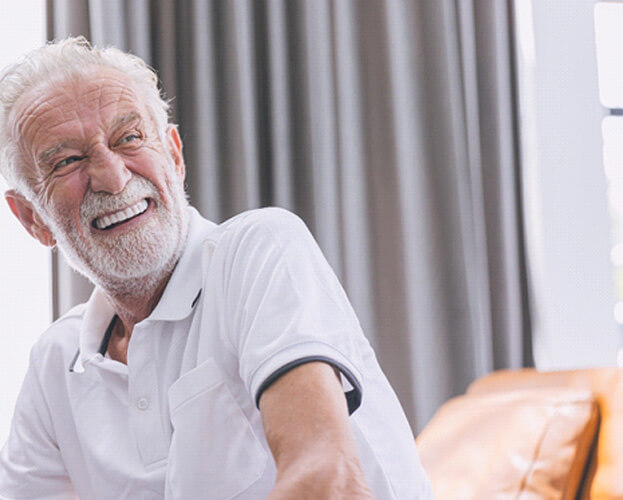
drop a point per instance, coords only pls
(64, 60)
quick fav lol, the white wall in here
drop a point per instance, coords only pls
(565, 188)
(24, 264)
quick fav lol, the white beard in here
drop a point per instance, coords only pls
(132, 261)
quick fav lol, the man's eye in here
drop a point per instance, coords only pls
(68, 161)
(129, 138)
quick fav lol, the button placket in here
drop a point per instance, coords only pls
(145, 414)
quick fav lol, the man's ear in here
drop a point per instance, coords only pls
(28, 216)
(175, 149)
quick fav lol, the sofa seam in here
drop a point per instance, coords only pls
(537, 452)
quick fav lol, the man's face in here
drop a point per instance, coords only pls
(106, 186)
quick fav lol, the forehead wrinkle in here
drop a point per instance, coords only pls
(37, 120)
(35, 115)
(109, 96)
(67, 91)
(113, 94)
(78, 116)
(25, 120)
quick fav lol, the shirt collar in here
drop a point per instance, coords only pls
(177, 301)
(178, 298)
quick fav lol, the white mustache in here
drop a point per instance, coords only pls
(98, 204)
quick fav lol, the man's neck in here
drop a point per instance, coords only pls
(134, 300)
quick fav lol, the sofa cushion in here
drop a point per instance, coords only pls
(605, 478)
(519, 444)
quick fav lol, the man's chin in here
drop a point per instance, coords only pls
(125, 263)
(132, 259)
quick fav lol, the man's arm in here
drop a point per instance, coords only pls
(31, 465)
(305, 419)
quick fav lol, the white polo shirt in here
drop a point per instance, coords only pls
(248, 300)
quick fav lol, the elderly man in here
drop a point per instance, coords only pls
(211, 361)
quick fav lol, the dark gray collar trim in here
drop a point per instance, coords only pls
(103, 346)
(73, 361)
(111, 326)
(196, 298)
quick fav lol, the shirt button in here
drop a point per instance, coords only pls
(142, 403)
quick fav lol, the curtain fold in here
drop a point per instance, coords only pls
(388, 126)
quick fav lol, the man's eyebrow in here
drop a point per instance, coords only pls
(123, 119)
(48, 153)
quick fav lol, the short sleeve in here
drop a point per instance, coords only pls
(285, 306)
(31, 466)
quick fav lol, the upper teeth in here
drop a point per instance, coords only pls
(108, 220)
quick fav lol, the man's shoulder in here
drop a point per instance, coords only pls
(60, 339)
(276, 222)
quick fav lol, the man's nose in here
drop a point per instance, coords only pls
(107, 171)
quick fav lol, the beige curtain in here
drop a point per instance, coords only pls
(389, 126)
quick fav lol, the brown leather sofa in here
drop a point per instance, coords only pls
(529, 435)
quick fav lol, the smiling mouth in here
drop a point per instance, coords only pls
(112, 220)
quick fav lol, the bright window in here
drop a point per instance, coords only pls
(567, 219)
(609, 43)
(25, 303)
